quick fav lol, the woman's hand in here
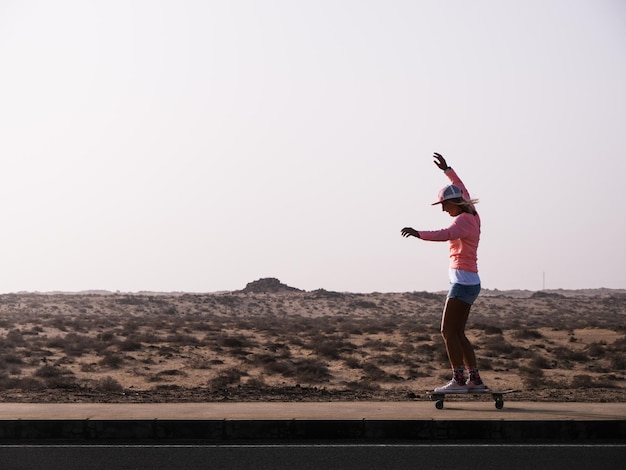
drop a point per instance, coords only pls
(440, 162)
(409, 232)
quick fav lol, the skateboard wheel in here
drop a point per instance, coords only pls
(439, 404)
(499, 403)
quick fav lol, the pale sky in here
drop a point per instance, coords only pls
(200, 145)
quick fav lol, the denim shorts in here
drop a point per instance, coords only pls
(467, 294)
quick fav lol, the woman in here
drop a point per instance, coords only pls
(463, 235)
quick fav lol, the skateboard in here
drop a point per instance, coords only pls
(497, 396)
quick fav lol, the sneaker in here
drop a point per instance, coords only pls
(452, 387)
(473, 386)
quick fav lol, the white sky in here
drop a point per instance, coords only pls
(200, 145)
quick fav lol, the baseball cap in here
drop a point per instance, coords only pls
(449, 192)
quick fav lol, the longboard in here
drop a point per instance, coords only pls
(497, 396)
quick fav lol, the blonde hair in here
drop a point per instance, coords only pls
(467, 205)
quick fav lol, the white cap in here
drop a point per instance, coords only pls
(449, 192)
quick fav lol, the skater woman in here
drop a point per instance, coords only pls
(463, 235)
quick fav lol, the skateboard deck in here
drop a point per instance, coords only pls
(497, 396)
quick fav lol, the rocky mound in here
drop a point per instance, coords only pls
(269, 285)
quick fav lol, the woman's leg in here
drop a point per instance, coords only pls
(459, 349)
(469, 357)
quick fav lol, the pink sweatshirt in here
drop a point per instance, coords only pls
(463, 234)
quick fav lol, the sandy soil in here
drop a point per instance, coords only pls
(272, 342)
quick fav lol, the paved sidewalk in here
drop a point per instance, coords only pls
(418, 410)
(230, 421)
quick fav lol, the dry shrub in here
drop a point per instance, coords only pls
(378, 345)
(618, 361)
(11, 358)
(620, 344)
(73, 344)
(488, 329)
(57, 342)
(364, 304)
(256, 382)
(566, 354)
(167, 351)
(238, 342)
(112, 360)
(5, 381)
(14, 338)
(416, 373)
(532, 378)
(441, 356)
(130, 344)
(56, 377)
(373, 372)
(499, 347)
(283, 367)
(29, 384)
(106, 337)
(173, 372)
(426, 348)
(263, 359)
(419, 337)
(352, 363)
(91, 367)
(181, 338)
(485, 363)
(351, 328)
(109, 384)
(200, 363)
(539, 362)
(585, 381)
(25, 384)
(363, 385)
(596, 349)
(527, 334)
(388, 359)
(331, 348)
(311, 370)
(225, 378)
(48, 372)
(406, 348)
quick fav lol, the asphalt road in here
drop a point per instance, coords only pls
(317, 455)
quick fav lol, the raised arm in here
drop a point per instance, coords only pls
(451, 174)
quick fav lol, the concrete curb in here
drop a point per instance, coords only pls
(233, 430)
(224, 422)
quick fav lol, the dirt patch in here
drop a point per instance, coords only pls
(292, 345)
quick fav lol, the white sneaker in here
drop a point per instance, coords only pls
(471, 386)
(452, 387)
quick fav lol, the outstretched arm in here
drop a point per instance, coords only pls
(409, 231)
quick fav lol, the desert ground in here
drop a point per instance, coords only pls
(273, 342)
